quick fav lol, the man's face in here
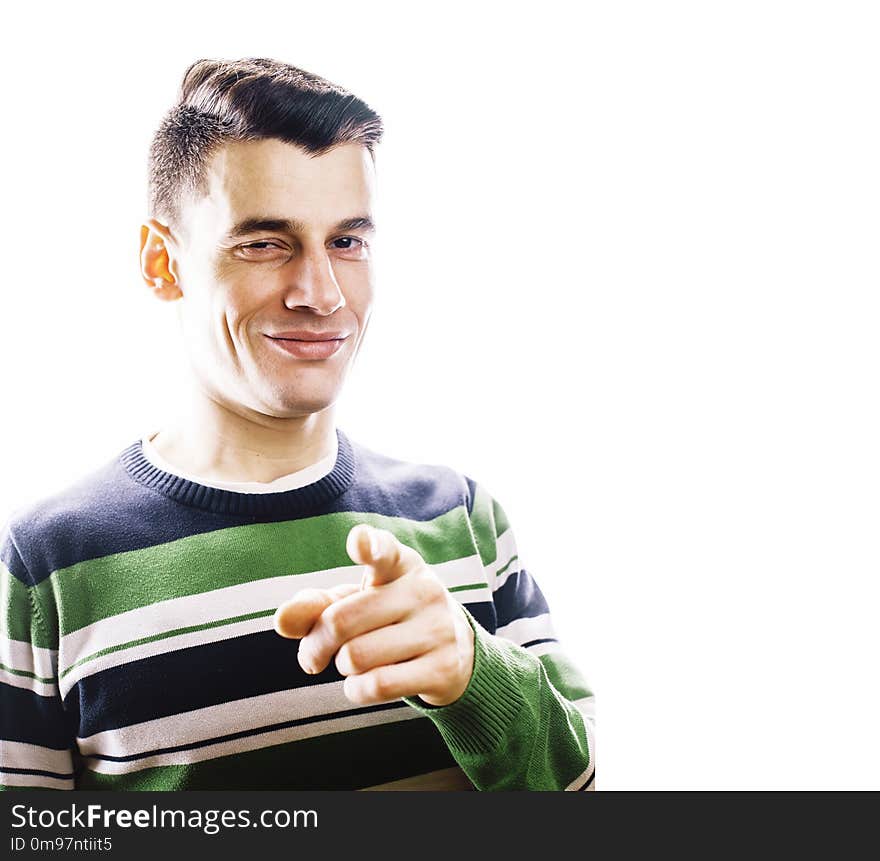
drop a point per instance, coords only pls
(246, 281)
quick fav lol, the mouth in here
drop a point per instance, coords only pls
(308, 348)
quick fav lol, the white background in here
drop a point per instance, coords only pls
(629, 281)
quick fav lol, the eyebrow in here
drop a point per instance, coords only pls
(291, 225)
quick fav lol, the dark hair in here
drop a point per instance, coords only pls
(241, 100)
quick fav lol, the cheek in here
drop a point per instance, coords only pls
(233, 327)
(358, 290)
(234, 306)
(212, 324)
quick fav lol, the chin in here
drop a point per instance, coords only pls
(297, 404)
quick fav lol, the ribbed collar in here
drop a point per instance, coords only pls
(299, 500)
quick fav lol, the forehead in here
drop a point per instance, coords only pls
(273, 177)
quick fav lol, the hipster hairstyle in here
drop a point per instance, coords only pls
(242, 100)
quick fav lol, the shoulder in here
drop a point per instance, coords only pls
(429, 488)
(51, 532)
(419, 490)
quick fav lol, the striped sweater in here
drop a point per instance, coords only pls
(137, 650)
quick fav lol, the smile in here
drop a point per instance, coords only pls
(308, 349)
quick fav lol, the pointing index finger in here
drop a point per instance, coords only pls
(296, 617)
(385, 557)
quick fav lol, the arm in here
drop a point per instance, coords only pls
(525, 721)
(36, 751)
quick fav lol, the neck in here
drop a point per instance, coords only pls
(213, 440)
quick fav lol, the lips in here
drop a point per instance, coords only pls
(306, 335)
(312, 347)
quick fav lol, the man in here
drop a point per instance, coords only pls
(247, 598)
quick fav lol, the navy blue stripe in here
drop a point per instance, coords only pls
(192, 678)
(251, 732)
(536, 642)
(198, 677)
(9, 556)
(5, 770)
(471, 494)
(112, 511)
(518, 598)
(28, 717)
(484, 613)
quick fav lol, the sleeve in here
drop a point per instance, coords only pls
(36, 749)
(526, 721)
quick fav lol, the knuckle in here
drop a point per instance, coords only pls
(442, 629)
(381, 685)
(447, 665)
(409, 556)
(436, 681)
(355, 655)
(336, 620)
(426, 585)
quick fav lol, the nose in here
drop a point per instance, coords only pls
(311, 283)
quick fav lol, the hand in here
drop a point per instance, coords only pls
(399, 634)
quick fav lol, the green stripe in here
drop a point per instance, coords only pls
(349, 760)
(165, 634)
(226, 557)
(17, 621)
(202, 627)
(510, 562)
(26, 674)
(502, 524)
(483, 523)
(565, 676)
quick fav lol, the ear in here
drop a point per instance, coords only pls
(158, 265)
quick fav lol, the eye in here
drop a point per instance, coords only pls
(263, 251)
(351, 247)
(261, 245)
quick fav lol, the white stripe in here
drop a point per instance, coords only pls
(505, 549)
(183, 641)
(213, 635)
(241, 715)
(581, 779)
(461, 572)
(523, 630)
(587, 707)
(35, 780)
(160, 647)
(539, 649)
(195, 609)
(234, 716)
(21, 655)
(26, 683)
(17, 754)
(231, 601)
